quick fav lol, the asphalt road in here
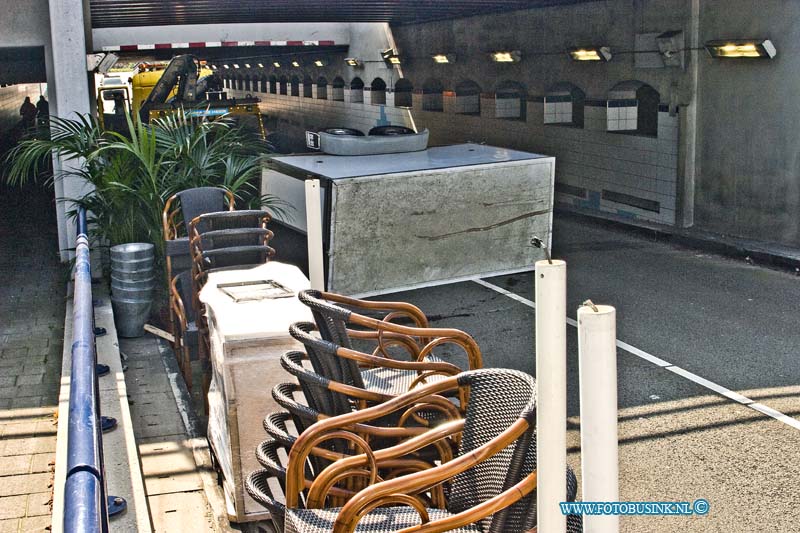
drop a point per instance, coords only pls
(729, 322)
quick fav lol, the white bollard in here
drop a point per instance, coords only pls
(597, 356)
(551, 394)
(316, 269)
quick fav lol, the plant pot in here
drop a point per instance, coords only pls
(132, 251)
(127, 279)
(133, 293)
(131, 265)
(130, 315)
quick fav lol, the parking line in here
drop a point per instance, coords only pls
(719, 389)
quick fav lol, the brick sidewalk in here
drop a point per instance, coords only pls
(31, 334)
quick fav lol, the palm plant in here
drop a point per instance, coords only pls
(133, 175)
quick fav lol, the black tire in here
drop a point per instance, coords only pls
(391, 130)
(343, 131)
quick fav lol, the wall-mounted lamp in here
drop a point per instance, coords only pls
(736, 48)
(235, 65)
(276, 64)
(353, 62)
(247, 65)
(444, 58)
(320, 62)
(390, 57)
(296, 64)
(213, 67)
(592, 53)
(506, 56)
(225, 66)
(261, 65)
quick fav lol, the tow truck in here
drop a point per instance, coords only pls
(184, 85)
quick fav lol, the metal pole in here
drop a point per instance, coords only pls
(551, 393)
(84, 486)
(597, 354)
(316, 269)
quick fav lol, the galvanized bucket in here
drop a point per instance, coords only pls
(137, 276)
(130, 316)
(132, 251)
(132, 284)
(131, 265)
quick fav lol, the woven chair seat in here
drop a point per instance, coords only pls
(393, 381)
(381, 520)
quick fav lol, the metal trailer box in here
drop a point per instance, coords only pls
(392, 222)
(247, 342)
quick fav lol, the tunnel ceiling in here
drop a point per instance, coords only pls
(120, 13)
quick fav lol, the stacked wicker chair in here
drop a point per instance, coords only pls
(203, 232)
(179, 210)
(224, 240)
(487, 486)
(373, 404)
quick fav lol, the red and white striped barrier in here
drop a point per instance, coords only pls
(211, 44)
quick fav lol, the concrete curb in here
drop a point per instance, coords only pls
(196, 438)
(120, 453)
(763, 253)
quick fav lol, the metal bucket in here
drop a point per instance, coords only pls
(133, 294)
(130, 315)
(137, 278)
(132, 251)
(132, 283)
(131, 265)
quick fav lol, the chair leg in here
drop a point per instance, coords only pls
(186, 366)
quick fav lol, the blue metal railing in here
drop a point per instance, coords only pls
(85, 502)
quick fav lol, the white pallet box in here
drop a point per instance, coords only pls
(247, 342)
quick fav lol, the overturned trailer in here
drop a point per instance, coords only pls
(397, 221)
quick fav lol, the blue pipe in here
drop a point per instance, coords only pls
(84, 496)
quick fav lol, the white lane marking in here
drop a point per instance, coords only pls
(719, 389)
(777, 415)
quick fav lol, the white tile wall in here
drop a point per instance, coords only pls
(298, 114)
(622, 118)
(432, 101)
(591, 158)
(467, 104)
(557, 112)
(508, 107)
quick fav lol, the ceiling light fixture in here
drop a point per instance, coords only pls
(444, 58)
(591, 53)
(506, 56)
(390, 57)
(738, 48)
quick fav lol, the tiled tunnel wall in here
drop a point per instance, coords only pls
(11, 98)
(625, 174)
(297, 114)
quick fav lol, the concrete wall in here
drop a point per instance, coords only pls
(748, 137)
(24, 23)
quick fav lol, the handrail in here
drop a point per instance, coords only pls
(85, 503)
